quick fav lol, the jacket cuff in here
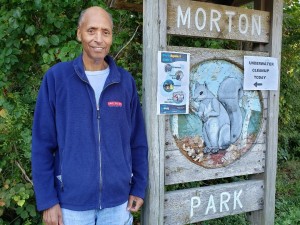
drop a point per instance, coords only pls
(44, 206)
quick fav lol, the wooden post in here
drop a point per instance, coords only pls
(274, 48)
(154, 39)
(267, 214)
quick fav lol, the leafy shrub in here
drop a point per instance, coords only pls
(34, 35)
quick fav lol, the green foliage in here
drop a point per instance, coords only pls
(34, 35)
(203, 42)
(289, 119)
(288, 194)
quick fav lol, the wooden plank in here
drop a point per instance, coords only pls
(179, 169)
(204, 203)
(197, 19)
(154, 39)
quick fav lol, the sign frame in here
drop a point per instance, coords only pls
(155, 39)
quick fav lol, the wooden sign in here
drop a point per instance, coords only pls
(228, 132)
(191, 18)
(184, 133)
(204, 203)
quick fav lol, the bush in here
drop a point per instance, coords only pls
(34, 35)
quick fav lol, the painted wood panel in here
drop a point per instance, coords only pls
(186, 159)
(204, 203)
(198, 19)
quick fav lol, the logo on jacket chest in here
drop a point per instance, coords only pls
(114, 104)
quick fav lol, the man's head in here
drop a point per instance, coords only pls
(95, 33)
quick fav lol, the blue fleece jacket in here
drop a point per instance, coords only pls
(83, 158)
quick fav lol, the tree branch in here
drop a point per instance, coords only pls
(127, 42)
(23, 172)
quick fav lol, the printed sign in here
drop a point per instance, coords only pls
(173, 83)
(260, 73)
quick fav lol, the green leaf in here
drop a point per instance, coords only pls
(31, 209)
(54, 40)
(24, 215)
(58, 24)
(13, 23)
(17, 13)
(13, 59)
(30, 30)
(38, 4)
(42, 41)
(21, 202)
(8, 52)
(16, 198)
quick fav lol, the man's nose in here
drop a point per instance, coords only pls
(98, 37)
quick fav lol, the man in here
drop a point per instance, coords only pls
(89, 148)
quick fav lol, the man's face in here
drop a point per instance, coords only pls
(95, 34)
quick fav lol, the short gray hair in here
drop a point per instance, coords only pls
(80, 19)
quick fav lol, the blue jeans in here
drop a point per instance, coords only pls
(118, 215)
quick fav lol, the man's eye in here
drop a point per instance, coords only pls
(90, 31)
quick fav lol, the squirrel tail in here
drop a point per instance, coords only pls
(229, 93)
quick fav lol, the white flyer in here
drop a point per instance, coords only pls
(260, 73)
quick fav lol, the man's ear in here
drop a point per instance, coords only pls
(78, 35)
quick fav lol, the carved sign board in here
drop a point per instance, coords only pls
(198, 19)
(204, 203)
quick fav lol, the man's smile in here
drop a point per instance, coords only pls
(98, 49)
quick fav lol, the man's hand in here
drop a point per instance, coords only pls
(53, 216)
(134, 203)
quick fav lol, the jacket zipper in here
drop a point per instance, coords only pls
(99, 146)
(100, 157)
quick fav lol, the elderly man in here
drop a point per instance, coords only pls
(89, 148)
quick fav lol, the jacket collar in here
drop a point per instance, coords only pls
(114, 74)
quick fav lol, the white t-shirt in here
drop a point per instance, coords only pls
(97, 80)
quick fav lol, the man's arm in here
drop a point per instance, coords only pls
(44, 145)
(139, 151)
